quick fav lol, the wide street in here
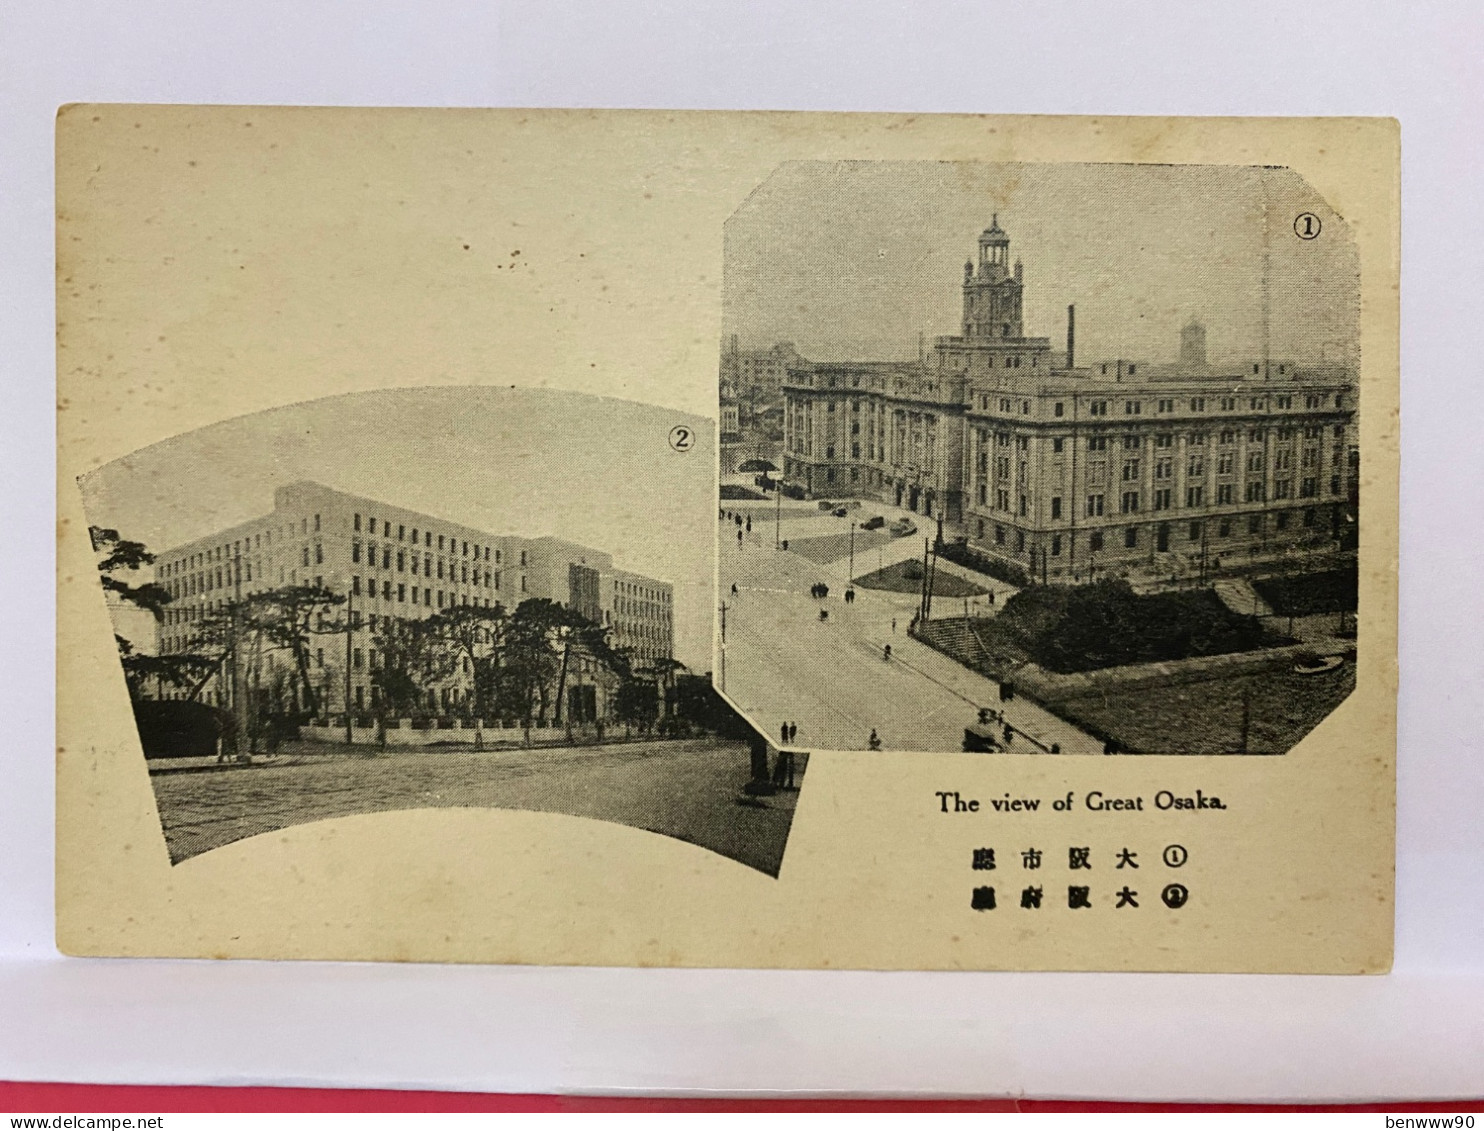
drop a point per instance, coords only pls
(782, 663)
(690, 789)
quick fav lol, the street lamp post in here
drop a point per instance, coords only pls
(777, 478)
(723, 658)
(350, 629)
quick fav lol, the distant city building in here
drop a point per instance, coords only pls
(396, 563)
(1067, 471)
(757, 374)
(751, 401)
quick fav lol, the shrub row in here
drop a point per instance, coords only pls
(961, 554)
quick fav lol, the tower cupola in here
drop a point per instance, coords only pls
(994, 250)
(992, 292)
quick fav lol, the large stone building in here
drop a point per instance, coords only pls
(391, 562)
(1067, 471)
(750, 384)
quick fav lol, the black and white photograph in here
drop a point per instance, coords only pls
(461, 597)
(1039, 459)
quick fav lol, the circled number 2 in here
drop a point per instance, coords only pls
(682, 439)
(1306, 226)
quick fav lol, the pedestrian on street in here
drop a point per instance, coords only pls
(893, 624)
(793, 729)
(749, 524)
(783, 734)
(739, 539)
(875, 742)
(734, 589)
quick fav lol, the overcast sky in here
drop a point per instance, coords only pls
(850, 260)
(597, 471)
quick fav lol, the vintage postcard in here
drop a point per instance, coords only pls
(712, 539)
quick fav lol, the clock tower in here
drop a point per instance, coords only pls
(991, 291)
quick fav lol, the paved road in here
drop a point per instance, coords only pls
(784, 663)
(689, 789)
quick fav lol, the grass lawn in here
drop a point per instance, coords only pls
(832, 547)
(1206, 717)
(1305, 594)
(894, 578)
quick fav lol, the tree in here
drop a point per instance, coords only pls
(532, 662)
(587, 641)
(477, 637)
(665, 669)
(121, 554)
(413, 660)
(118, 554)
(636, 703)
(287, 617)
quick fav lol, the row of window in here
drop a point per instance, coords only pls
(453, 545)
(1195, 532)
(386, 591)
(1167, 405)
(456, 571)
(1163, 498)
(1134, 406)
(1135, 441)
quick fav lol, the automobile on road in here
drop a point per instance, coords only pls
(903, 527)
(875, 522)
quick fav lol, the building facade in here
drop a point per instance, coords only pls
(390, 563)
(1177, 468)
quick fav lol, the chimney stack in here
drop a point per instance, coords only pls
(1071, 337)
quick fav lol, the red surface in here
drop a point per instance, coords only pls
(148, 1100)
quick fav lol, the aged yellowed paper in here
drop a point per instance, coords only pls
(727, 539)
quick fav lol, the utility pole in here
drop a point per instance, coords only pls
(922, 601)
(723, 646)
(777, 509)
(850, 577)
(350, 630)
(1246, 713)
(239, 701)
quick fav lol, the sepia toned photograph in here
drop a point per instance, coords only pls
(432, 598)
(1056, 459)
(466, 558)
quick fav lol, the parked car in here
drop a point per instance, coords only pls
(903, 527)
(826, 505)
(875, 522)
(840, 512)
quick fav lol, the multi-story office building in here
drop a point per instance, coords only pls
(1068, 471)
(638, 610)
(390, 562)
(757, 375)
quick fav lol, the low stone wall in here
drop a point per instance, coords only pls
(400, 732)
(1050, 687)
